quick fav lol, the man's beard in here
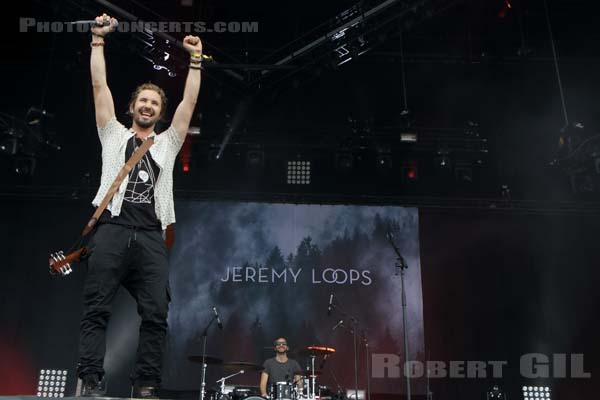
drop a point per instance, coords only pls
(144, 124)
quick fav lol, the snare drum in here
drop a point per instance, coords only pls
(283, 391)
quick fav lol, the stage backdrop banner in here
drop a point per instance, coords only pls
(271, 269)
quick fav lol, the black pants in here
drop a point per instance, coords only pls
(136, 259)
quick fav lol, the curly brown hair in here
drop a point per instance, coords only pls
(150, 86)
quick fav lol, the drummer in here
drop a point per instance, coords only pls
(280, 368)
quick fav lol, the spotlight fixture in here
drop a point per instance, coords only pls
(536, 393)
(344, 162)
(9, 145)
(25, 166)
(255, 157)
(214, 153)
(495, 393)
(463, 174)
(408, 137)
(298, 172)
(443, 160)
(383, 161)
(52, 383)
(410, 173)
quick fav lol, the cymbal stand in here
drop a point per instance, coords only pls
(313, 378)
(204, 335)
(352, 329)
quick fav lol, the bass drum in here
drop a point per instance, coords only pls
(256, 398)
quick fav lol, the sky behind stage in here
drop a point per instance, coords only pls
(270, 270)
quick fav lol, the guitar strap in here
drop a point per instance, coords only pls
(133, 160)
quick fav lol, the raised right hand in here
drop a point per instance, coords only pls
(104, 30)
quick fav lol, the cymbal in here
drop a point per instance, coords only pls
(315, 351)
(242, 365)
(207, 359)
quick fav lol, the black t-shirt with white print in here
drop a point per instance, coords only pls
(138, 204)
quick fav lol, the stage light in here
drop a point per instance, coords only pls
(495, 393)
(9, 145)
(25, 166)
(194, 131)
(344, 162)
(410, 173)
(383, 161)
(443, 160)
(52, 383)
(536, 393)
(298, 172)
(255, 158)
(463, 174)
(408, 137)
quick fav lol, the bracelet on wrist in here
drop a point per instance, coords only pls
(195, 67)
(97, 44)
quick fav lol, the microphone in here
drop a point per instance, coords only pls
(92, 22)
(330, 303)
(340, 322)
(218, 320)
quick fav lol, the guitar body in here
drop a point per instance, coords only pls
(60, 264)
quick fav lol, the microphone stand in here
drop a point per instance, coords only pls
(401, 265)
(222, 380)
(367, 359)
(204, 335)
(353, 331)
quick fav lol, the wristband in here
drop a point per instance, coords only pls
(97, 44)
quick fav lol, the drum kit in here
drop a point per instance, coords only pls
(278, 390)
